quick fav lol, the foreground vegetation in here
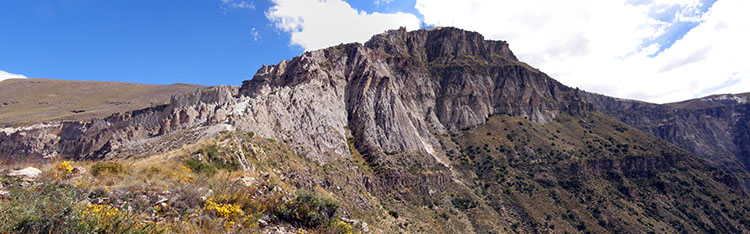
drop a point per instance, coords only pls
(196, 190)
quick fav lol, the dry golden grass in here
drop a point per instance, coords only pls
(27, 101)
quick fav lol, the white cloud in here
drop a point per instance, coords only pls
(612, 47)
(384, 2)
(228, 4)
(316, 24)
(254, 34)
(6, 75)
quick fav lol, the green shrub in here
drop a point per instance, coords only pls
(45, 209)
(393, 213)
(109, 167)
(213, 157)
(59, 208)
(464, 203)
(200, 167)
(309, 210)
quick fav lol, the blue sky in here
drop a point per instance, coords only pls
(676, 45)
(157, 42)
(144, 41)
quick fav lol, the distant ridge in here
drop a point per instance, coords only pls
(26, 101)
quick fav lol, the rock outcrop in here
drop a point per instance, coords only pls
(99, 138)
(714, 127)
(399, 89)
(29, 173)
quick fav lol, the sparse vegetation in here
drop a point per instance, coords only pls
(393, 213)
(201, 167)
(175, 193)
(108, 167)
(37, 100)
(309, 210)
(49, 207)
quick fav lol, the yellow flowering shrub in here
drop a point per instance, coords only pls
(183, 174)
(229, 226)
(226, 211)
(65, 167)
(341, 227)
(102, 211)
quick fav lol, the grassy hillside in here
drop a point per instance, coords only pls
(25, 101)
(593, 174)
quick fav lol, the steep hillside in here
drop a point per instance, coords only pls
(29, 101)
(591, 173)
(430, 131)
(714, 127)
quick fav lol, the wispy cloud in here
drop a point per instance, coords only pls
(319, 24)
(384, 2)
(241, 4)
(653, 50)
(6, 75)
(254, 34)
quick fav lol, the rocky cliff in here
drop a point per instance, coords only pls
(400, 88)
(394, 93)
(714, 127)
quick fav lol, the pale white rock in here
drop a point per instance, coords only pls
(29, 172)
(246, 181)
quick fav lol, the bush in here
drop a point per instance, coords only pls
(58, 208)
(200, 167)
(340, 227)
(212, 155)
(393, 213)
(46, 209)
(109, 167)
(464, 203)
(309, 210)
(210, 159)
(65, 167)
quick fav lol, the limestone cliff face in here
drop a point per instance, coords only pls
(398, 90)
(715, 127)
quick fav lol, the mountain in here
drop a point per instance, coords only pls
(29, 101)
(429, 131)
(714, 127)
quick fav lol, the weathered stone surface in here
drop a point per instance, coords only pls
(715, 127)
(246, 181)
(401, 88)
(26, 173)
(99, 138)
